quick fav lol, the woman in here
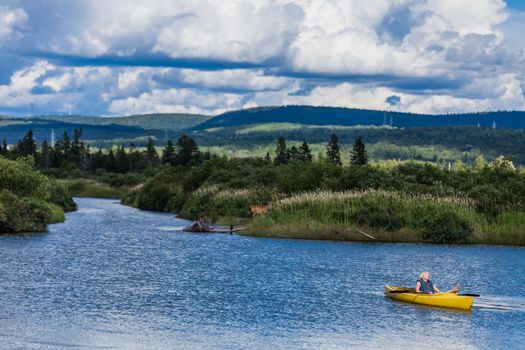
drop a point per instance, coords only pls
(425, 285)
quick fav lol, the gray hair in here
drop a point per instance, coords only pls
(422, 273)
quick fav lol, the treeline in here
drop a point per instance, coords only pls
(73, 156)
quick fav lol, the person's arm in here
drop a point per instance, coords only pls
(418, 287)
(436, 290)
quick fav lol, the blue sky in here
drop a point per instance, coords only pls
(99, 57)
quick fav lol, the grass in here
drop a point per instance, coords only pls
(387, 216)
(57, 214)
(93, 189)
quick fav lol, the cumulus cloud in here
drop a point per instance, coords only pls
(10, 20)
(414, 55)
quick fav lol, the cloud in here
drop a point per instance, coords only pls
(10, 21)
(208, 56)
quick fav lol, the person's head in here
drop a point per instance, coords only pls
(425, 275)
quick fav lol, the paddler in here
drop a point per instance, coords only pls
(425, 285)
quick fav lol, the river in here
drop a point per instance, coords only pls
(113, 277)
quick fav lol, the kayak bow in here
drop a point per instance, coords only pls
(448, 300)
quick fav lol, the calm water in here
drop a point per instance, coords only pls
(115, 277)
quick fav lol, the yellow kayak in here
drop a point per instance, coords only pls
(448, 300)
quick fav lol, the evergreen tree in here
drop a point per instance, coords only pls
(121, 160)
(27, 146)
(294, 154)
(333, 153)
(151, 156)
(76, 154)
(187, 150)
(358, 154)
(64, 147)
(44, 160)
(282, 155)
(4, 150)
(168, 154)
(305, 155)
(111, 162)
(98, 160)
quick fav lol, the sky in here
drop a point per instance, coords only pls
(121, 57)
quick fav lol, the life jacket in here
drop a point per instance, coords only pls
(426, 287)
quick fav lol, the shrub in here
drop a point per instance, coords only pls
(444, 226)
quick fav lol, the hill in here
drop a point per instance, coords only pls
(167, 121)
(310, 115)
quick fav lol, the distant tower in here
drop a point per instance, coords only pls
(493, 124)
(391, 121)
(32, 107)
(53, 140)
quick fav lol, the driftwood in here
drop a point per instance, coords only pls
(204, 226)
(199, 226)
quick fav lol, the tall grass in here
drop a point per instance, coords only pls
(388, 216)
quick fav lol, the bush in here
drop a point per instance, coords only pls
(23, 214)
(445, 226)
(60, 196)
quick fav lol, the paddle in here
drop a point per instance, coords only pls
(413, 291)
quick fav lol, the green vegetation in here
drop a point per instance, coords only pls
(336, 192)
(28, 200)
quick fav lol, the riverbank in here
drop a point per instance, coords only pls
(29, 201)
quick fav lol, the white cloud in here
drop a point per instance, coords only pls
(10, 20)
(344, 52)
(176, 101)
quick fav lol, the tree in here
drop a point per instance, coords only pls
(121, 160)
(479, 164)
(502, 163)
(305, 155)
(151, 157)
(76, 151)
(111, 162)
(293, 154)
(281, 153)
(187, 149)
(333, 153)
(358, 154)
(44, 160)
(168, 154)
(27, 146)
(4, 149)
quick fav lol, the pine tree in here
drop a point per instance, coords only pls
(111, 163)
(282, 155)
(358, 154)
(333, 153)
(294, 154)
(44, 160)
(305, 155)
(151, 156)
(168, 154)
(76, 155)
(121, 160)
(4, 150)
(187, 150)
(27, 146)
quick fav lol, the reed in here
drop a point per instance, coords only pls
(388, 216)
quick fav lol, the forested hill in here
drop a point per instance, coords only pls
(159, 121)
(347, 117)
